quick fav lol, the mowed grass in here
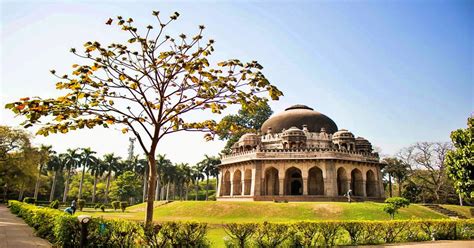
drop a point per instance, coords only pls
(464, 210)
(218, 213)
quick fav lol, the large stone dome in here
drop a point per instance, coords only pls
(297, 116)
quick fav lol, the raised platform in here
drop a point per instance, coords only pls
(298, 198)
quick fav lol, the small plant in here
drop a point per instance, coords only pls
(115, 205)
(96, 206)
(29, 200)
(240, 233)
(123, 205)
(393, 204)
(102, 207)
(81, 203)
(54, 204)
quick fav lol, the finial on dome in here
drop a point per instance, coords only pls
(298, 106)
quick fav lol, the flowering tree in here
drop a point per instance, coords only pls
(149, 85)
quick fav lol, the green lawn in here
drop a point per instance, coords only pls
(218, 213)
(464, 210)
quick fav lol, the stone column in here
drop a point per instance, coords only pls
(379, 184)
(281, 178)
(242, 190)
(256, 188)
(219, 184)
(304, 175)
(231, 184)
(330, 180)
(364, 188)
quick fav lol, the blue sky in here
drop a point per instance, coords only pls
(395, 72)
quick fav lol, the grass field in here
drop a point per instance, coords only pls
(218, 213)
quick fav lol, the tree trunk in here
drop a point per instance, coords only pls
(186, 192)
(390, 184)
(95, 188)
(82, 180)
(20, 195)
(151, 185)
(106, 200)
(145, 184)
(168, 191)
(157, 193)
(207, 187)
(460, 199)
(5, 192)
(66, 185)
(399, 182)
(37, 185)
(53, 187)
(196, 188)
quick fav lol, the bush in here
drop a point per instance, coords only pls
(393, 204)
(54, 204)
(102, 207)
(96, 206)
(271, 234)
(29, 200)
(240, 233)
(81, 203)
(123, 205)
(116, 205)
(175, 234)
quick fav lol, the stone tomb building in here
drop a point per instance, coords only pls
(300, 155)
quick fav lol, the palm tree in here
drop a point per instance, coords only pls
(209, 167)
(45, 153)
(163, 170)
(196, 176)
(97, 169)
(140, 166)
(86, 159)
(112, 164)
(56, 165)
(71, 160)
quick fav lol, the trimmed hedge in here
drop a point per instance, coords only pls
(336, 233)
(63, 230)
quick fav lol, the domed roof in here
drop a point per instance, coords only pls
(248, 137)
(297, 116)
(293, 131)
(343, 133)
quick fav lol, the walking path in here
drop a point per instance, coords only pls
(15, 233)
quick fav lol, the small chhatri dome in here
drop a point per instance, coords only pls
(248, 137)
(298, 116)
(293, 131)
(343, 133)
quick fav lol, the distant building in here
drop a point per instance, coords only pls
(300, 155)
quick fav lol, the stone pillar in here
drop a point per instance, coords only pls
(281, 186)
(231, 184)
(219, 184)
(304, 175)
(242, 190)
(256, 188)
(379, 184)
(364, 188)
(330, 180)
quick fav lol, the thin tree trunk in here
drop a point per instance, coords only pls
(168, 191)
(53, 187)
(399, 187)
(107, 187)
(37, 185)
(95, 188)
(145, 184)
(22, 191)
(5, 192)
(151, 185)
(186, 192)
(82, 180)
(66, 185)
(157, 193)
(207, 187)
(460, 199)
(390, 184)
(196, 188)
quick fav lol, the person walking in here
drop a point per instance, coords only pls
(74, 206)
(348, 194)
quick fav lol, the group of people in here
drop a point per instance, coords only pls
(71, 209)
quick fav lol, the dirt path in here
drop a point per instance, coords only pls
(15, 233)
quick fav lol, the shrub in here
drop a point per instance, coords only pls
(354, 229)
(115, 205)
(96, 206)
(54, 204)
(240, 233)
(102, 207)
(329, 231)
(393, 204)
(305, 234)
(123, 205)
(271, 234)
(29, 200)
(81, 203)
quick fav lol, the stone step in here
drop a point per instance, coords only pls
(444, 211)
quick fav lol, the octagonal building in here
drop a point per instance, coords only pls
(300, 155)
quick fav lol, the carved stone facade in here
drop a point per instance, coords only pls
(300, 156)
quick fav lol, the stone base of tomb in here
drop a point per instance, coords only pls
(298, 198)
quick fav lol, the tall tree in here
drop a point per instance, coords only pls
(56, 165)
(71, 160)
(44, 153)
(97, 170)
(249, 120)
(150, 85)
(196, 176)
(86, 158)
(399, 170)
(112, 163)
(164, 168)
(460, 161)
(209, 167)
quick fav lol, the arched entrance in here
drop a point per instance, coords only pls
(293, 182)
(341, 181)
(356, 183)
(237, 183)
(315, 181)
(226, 184)
(370, 185)
(247, 181)
(271, 182)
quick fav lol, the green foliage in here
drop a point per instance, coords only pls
(29, 200)
(271, 234)
(174, 234)
(240, 233)
(102, 207)
(123, 205)
(126, 186)
(96, 206)
(394, 204)
(115, 205)
(460, 161)
(54, 204)
(81, 203)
